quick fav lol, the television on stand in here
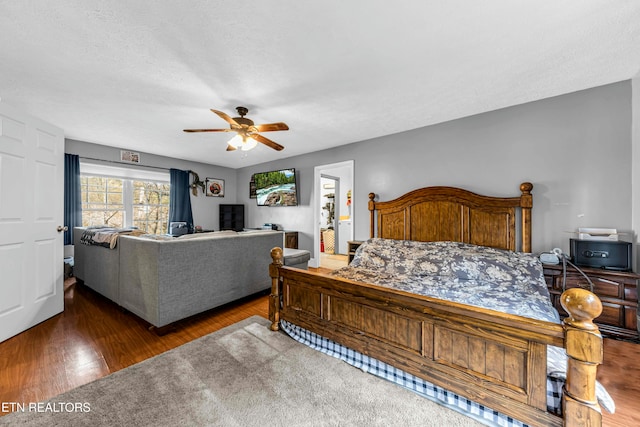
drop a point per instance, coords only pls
(276, 188)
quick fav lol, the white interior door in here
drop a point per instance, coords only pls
(31, 210)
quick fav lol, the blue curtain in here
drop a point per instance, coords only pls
(72, 200)
(180, 199)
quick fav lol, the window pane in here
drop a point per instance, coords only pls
(115, 184)
(93, 197)
(96, 186)
(114, 198)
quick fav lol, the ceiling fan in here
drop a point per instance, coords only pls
(247, 133)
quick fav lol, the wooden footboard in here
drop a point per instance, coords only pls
(496, 359)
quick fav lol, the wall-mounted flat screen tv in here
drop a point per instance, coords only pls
(276, 188)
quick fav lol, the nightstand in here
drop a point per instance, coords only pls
(353, 245)
(617, 290)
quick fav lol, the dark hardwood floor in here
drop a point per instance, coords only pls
(93, 338)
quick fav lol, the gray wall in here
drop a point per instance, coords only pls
(576, 149)
(205, 209)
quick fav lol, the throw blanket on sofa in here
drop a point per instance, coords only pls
(105, 236)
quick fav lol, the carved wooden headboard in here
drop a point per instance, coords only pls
(454, 214)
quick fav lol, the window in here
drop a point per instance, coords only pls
(124, 197)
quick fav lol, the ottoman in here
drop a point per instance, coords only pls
(298, 258)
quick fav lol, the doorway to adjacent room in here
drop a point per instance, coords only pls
(333, 235)
(332, 202)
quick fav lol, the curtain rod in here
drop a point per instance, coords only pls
(124, 163)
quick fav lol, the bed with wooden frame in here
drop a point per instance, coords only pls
(499, 359)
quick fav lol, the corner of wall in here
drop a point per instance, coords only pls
(635, 163)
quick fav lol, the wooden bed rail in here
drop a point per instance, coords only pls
(579, 335)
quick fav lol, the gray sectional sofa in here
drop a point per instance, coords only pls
(164, 280)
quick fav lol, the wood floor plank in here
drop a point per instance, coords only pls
(93, 337)
(620, 374)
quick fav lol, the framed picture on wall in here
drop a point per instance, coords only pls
(214, 187)
(252, 188)
(129, 156)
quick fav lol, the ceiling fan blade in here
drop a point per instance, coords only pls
(267, 142)
(227, 118)
(209, 130)
(272, 127)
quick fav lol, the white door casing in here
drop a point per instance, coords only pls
(31, 211)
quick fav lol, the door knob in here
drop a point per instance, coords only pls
(61, 228)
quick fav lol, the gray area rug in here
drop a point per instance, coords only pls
(243, 375)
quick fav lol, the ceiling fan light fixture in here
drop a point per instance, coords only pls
(236, 141)
(243, 142)
(249, 144)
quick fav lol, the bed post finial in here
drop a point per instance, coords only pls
(372, 208)
(274, 298)
(584, 353)
(526, 187)
(526, 203)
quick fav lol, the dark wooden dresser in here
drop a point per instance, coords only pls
(291, 239)
(618, 292)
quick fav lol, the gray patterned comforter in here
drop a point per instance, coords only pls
(506, 281)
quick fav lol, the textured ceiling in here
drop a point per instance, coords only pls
(133, 74)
